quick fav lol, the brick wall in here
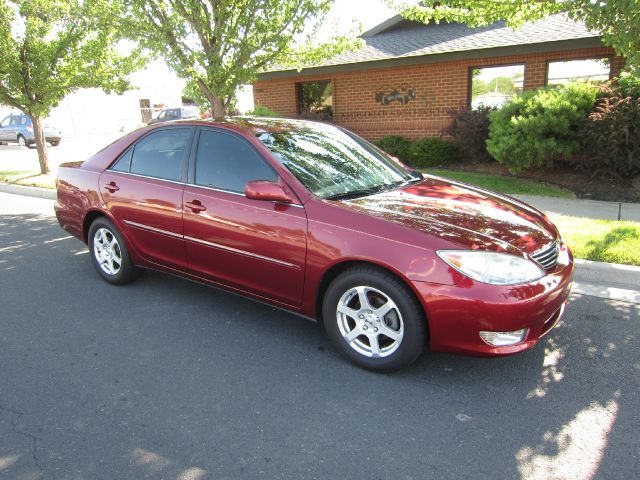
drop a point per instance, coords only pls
(439, 87)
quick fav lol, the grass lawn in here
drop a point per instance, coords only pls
(601, 240)
(503, 184)
(28, 178)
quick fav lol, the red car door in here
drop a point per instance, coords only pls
(252, 245)
(143, 191)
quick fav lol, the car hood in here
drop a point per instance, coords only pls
(461, 213)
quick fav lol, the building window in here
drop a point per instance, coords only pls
(590, 70)
(315, 99)
(495, 86)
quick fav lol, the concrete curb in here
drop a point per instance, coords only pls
(613, 274)
(47, 193)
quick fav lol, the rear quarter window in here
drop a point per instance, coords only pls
(123, 164)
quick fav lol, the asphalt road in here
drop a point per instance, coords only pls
(168, 379)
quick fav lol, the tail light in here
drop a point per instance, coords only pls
(30, 128)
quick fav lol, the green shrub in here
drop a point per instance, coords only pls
(432, 152)
(470, 130)
(262, 111)
(396, 145)
(611, 134)
(540, 126)
(629, 84)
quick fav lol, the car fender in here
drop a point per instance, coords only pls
(330, 245)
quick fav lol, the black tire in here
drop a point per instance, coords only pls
(408, 319)
(55, 143)
(122, 271)
(22, 141)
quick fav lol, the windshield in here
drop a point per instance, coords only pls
(333, 163)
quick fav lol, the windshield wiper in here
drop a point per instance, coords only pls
(363, 192)
(416, 176)
(400, 183)
(371, 190)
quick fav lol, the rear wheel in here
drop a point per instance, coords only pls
(22, 141)
(55, 143)
(374, 320)
(109, 253)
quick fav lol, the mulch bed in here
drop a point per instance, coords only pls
(583, 184)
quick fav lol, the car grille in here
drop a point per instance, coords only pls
(547, 257)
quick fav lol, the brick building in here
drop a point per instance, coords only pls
(407, 75)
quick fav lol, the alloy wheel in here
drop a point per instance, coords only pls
(107, 252)
(370, 321)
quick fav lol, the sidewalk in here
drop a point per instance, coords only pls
(584, 208)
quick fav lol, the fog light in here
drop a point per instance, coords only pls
(503, 339)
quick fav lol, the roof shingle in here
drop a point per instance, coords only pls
(411, 39)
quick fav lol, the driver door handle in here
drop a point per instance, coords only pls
(112, 187)
(195, 206)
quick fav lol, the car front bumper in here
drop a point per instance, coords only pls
(456, 314)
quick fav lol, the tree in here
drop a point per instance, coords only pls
(51, 48)
(218, 45)
(618, 20)
(497, 84)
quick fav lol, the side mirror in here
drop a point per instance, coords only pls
(263, 190)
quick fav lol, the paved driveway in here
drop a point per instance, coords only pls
(170, 379)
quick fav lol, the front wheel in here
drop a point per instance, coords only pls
(109, 253)
(374, 320)
(55, 143)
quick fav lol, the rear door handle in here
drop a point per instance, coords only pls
(195, 206)
(112, 187)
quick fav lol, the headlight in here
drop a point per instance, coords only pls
(491, 267)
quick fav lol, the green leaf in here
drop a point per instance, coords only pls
(219, 45)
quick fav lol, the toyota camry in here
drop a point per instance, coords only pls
(313, 219)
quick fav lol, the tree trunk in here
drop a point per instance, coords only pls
(43, 156)
(217, 109)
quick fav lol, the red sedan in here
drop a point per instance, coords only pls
(311, 218)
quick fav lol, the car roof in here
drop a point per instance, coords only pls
(257, 125)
